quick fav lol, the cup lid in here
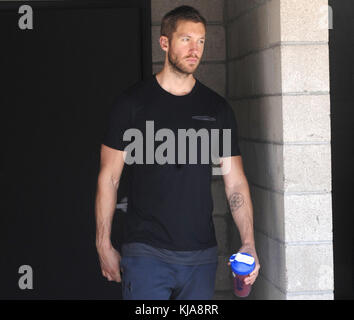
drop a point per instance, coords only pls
(242, 263)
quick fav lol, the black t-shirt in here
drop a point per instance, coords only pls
(170, 205)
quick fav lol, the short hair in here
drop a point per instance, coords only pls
(171, 18)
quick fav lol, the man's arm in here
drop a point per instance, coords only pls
(239, 199)
(112, 163)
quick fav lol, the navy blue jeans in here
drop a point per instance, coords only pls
(148, 278)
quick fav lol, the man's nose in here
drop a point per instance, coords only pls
(193, 46)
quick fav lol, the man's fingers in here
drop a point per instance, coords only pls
(252, 276)
(107, 275)
(118, 278)
(254, 273)
(113, 276)
(250, 279)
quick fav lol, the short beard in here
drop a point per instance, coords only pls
(177, 67)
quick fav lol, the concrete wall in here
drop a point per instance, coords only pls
(269, 58)
(278, 85)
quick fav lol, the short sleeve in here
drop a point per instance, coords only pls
(228, 140)
(117, 122)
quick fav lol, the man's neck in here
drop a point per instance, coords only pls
(175, 84)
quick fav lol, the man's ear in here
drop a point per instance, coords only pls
(164, 43)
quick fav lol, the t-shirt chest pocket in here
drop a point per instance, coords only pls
(203, 121)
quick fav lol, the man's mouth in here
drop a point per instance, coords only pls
(194, 60)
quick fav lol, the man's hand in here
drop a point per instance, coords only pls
(110, 263)
(254, 274)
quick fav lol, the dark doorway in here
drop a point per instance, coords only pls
(342, 123)
(58, 81)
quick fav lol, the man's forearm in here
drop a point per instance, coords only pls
(240, 203)
(106, 199)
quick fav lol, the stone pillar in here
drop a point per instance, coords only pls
(278, 84)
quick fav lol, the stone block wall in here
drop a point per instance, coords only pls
(278, 84)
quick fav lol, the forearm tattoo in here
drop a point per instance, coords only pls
(236, 201)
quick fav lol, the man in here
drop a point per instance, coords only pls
(169, 249)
